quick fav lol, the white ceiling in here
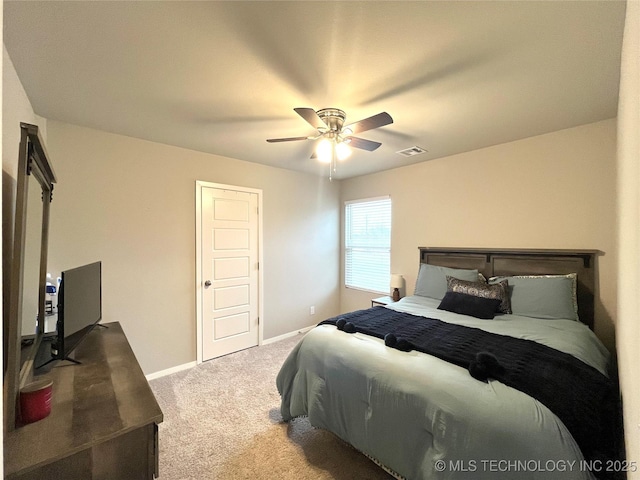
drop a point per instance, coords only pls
(222, 77)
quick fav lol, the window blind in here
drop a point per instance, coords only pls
(368, 244)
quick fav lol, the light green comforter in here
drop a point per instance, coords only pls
(424, 418)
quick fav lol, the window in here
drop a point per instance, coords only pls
(368, 244)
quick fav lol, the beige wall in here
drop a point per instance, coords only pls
(131, 204)
(550, 191)
(628, 323)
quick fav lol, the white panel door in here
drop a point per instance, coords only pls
(229, 262)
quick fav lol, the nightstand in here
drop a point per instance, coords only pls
(381, 301)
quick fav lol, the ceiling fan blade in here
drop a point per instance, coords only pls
(379, 120)
(363, 144)
(310, 115)
(290, 139)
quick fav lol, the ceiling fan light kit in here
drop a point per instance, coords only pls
(328, 148)
(336, 138)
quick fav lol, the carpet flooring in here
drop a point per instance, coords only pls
(222, 422)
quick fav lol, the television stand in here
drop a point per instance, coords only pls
(45, 357)
(53, 359)
(50, 358)
(103, 422)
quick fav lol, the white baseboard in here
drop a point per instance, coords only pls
(186, 366)
(286, 335)
(169, 371)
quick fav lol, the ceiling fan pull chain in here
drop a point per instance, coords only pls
(334, 159)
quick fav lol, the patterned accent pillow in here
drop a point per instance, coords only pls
(499, 290)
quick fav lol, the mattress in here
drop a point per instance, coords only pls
(423, 418)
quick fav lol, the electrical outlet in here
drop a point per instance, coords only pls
(312, 310)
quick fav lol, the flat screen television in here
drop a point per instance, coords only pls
(79, 308)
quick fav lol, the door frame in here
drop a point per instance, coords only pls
(199, 280)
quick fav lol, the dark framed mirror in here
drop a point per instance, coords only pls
(26, 322)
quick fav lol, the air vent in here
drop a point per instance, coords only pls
(410, 152)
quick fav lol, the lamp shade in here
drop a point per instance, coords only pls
(396, 280)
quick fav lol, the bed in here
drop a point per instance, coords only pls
(423, 412)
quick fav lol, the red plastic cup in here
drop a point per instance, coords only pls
(35, 401)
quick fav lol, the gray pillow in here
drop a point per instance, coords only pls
(432, 279)
(543, 296)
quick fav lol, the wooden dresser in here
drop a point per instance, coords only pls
(103, 422)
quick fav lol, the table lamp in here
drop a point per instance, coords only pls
(397, 282)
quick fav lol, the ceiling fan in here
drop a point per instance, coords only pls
(337, 137)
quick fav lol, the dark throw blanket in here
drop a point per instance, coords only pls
(577, 393)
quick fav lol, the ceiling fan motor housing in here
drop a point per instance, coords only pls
(333, 117)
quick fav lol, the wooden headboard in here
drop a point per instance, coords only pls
(497, 262)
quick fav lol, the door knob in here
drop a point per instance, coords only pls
(207, 284)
